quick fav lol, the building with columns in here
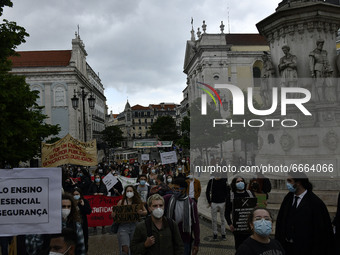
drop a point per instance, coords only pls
(58, 75)
(220, 58)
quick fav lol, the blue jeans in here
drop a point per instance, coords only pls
(125, 234)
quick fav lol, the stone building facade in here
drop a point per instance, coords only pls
(56, 75)
(136, 121)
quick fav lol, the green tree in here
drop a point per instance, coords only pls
(203, 135)
(184, 140)
(113, 136)
(23, 126)
(164, 128)
(248, 135)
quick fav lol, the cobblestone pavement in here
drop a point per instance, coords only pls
(107, 244)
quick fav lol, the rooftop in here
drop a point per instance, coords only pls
(41, 58)
(245, 39)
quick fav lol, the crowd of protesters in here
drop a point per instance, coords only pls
(167, 196)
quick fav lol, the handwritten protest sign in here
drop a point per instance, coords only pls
(30, 201)
(168, 157)
(127, 181)
(69, 150)
(145, 157)
(110, 181)
(126, 213)
(101, 210)
(242, 208)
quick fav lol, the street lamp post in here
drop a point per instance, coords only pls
(75, 103)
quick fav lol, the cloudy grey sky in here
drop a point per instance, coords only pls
(137, 46)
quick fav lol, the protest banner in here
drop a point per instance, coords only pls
(69, 150)
(152, 144)
(30, 201)
(168, 157)
(242, 207)
(145, 157)
(127, 181)
(109, 180)
(126, 213)
(101, 210)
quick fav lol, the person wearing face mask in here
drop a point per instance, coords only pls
(260, 223)
(126, 230)
(169, 179)
(84, 210)
(97, 187)
(37, 244)
(238, 190)
(157, 234)
(85, 181)
(303, 224)
(152, 175)
(194, 188)
(143, 188)
(63, 243)
(183, 210)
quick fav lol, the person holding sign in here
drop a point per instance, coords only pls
(238, 205)
(127, 229)
(260, 222)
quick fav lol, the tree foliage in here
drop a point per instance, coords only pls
(23, 126)
(164, 128)
(184, 140)
(113, 136)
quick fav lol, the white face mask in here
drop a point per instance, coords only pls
(65, 213)
(158, 213)
(129, 194)
(58, 253)
(170, 180)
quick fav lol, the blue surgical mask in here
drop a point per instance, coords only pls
(240, 185)
(97, 180)
(142, 182)
(263, 227)
(76, 197)
(290, 187)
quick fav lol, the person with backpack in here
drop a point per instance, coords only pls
(157, 234)
(238, 190)
(183, 210)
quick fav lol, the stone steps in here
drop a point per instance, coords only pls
(330, 198)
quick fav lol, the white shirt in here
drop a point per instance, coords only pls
(300, 198)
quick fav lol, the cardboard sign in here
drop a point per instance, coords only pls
(168, 157)
(69, 150)
(30, 201)
(126, 213)
(101, 210)
(242, 208)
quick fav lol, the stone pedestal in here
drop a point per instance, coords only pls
(315, 141)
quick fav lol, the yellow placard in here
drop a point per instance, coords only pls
(69, 150)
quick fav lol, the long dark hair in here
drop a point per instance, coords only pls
(136, 197)
(74, 214)
(233, 183)
(302, 179)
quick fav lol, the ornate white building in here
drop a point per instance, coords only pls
(56, 75)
